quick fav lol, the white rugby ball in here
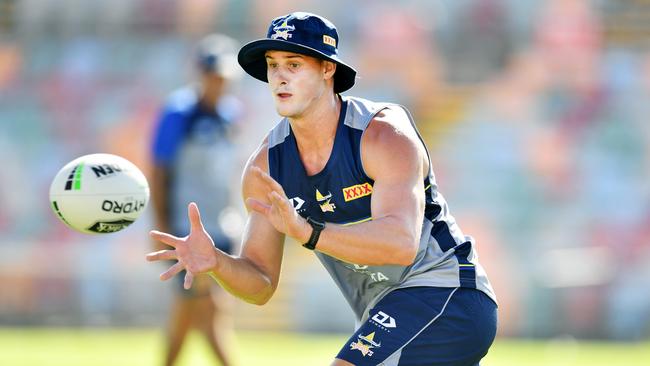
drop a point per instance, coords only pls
(99, 193)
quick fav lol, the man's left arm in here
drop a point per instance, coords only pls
(395, 159)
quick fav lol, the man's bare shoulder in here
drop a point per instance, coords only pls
(391, 140)
(251, 186)
(259, 157)
(390, 126)
(390, 123)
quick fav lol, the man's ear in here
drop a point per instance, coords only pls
(329, 68)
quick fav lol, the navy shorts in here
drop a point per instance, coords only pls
(421, 326)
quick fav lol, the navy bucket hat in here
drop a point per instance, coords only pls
(303, 33)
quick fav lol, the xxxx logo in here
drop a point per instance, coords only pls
(357, 191)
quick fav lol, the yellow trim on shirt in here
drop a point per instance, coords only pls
(357, 222)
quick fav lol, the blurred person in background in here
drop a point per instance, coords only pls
(194, 161)
(352, 180)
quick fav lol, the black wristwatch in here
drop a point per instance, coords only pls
(317, 228)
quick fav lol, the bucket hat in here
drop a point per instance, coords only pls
(303, 33)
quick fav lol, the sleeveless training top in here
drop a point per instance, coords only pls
(341, 194)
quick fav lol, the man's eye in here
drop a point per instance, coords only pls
(273, 65)
(294, 65)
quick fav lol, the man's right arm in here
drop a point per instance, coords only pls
(253, 275)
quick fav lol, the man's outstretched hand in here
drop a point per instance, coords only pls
(194, 253)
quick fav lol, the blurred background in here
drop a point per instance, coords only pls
(536, 115)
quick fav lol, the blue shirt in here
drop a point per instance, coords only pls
(193, 144)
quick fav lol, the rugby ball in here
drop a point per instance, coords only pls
(99, 193)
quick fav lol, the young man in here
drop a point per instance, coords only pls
(350, 179)
(193, 156)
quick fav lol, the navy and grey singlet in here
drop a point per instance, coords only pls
(341, 194)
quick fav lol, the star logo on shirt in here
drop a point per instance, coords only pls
(364, 344)
(324, 201)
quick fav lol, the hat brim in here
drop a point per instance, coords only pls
(251, 58)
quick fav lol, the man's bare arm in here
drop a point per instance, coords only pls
(253, 275)
(394, 158)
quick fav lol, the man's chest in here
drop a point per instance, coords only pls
(338, 198)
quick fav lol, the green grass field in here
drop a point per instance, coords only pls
(123, 347)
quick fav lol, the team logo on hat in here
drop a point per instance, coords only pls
(282, 31)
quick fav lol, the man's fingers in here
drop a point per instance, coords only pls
(161, 255)
(280, 202)
(168, 239)
(195, 217)
(189, 278)
(258, 206)
(172, 271)
(270, 182)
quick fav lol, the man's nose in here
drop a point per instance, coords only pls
(278, 76)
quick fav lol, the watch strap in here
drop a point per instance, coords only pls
(317, 227)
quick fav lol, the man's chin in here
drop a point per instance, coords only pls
(284, 112)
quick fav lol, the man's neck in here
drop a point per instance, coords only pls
(315, 133)
(317, 127)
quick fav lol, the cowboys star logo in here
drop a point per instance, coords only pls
(282, 31)
(365, 346)
(324, 202)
